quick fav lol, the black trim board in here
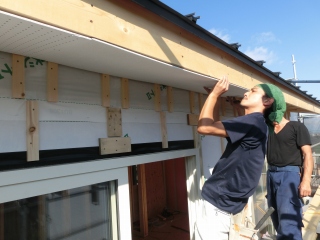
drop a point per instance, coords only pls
(18, 160)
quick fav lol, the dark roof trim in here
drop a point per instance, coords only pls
(176, 18)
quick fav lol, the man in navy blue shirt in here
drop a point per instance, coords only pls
(238, 171)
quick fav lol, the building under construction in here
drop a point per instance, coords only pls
(99, 102)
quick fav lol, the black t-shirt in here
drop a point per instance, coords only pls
(284, 147)
(237, 173)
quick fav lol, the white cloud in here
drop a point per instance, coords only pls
(261, 53)
(265, 37)
(220, 34)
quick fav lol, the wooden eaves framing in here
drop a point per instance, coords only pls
(132, 26)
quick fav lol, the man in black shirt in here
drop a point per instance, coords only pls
(288, 153)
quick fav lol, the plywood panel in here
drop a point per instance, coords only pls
(156, 195)
(114, 145)
(114, 122)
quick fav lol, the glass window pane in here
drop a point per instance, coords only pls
(82, 213)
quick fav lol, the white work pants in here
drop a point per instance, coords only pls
(213, 225)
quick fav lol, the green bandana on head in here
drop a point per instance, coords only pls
(279, 105)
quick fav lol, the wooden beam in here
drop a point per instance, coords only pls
(169, 99)
(128, 20)
(157, 98)
(52, 82)
(114, 145)
(143, 208)
(18, 78)
(105, 90)
(32, 131)
(164, 132)
(125, 93)
(191, 102)
(193, 119)
(114, 122)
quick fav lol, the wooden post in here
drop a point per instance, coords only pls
(191, 101)
(32, 131)
(42, 224)
(130, 182)
(311, 218)
(169, 99)
(52, 82)
(201, 102)
(66, 210)
(18, 78)
(125, 93)
(157, 98)
(105, 90)
(142, 191)
(164, 133)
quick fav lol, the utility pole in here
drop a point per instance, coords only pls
(294, 70)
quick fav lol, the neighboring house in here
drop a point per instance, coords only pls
(98, 107)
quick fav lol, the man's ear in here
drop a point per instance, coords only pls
(267, 102)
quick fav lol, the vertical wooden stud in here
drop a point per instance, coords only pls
(169, 99)
(125, 93)
(157, 98)
(42, 223)
(52, 82)
(142, 191)
(18, 79)
(196, 138)
(201, 101)
(105, 90)
(164, 130)
(216, 111)
(191, 101)
(32, 131)
(223, 106)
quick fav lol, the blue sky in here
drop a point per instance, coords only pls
(272, 31)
